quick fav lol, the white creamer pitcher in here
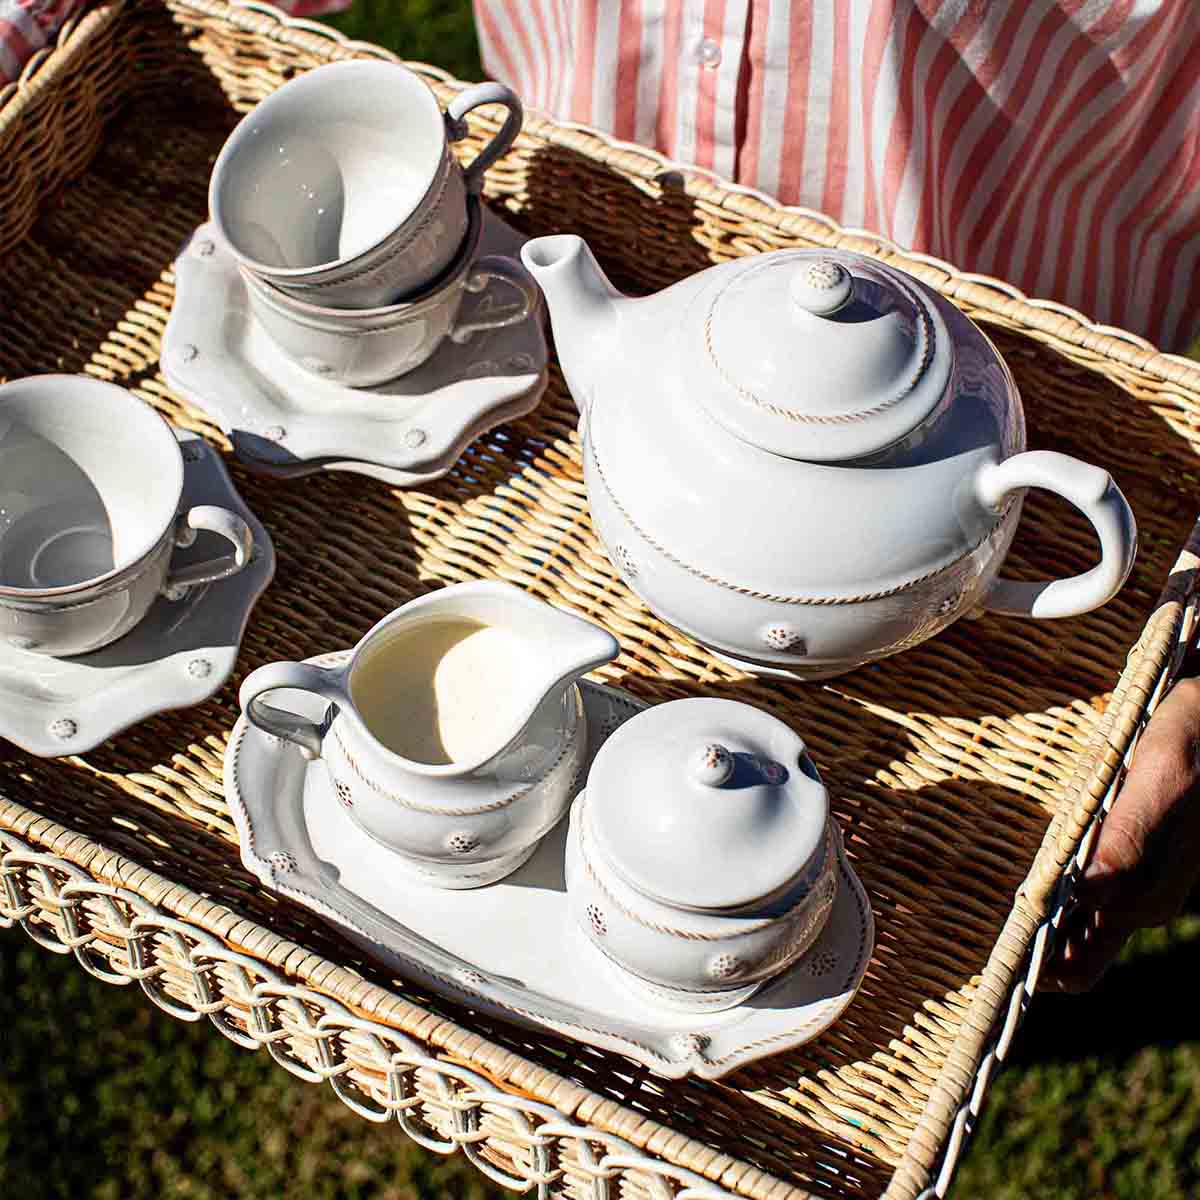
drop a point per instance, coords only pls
(455, 729)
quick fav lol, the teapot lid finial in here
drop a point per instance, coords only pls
(822, 287)
(819, 355)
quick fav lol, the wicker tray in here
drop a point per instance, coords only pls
(969, 773)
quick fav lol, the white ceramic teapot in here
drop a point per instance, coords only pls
(808, 459)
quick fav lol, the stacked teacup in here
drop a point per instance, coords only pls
(355, 229)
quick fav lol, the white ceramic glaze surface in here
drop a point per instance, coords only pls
(694, 960)
(803, 359)
(512, 950)
(341, 187)
(465, 822)
(91, 481)
(812, 487)
(702, 858)
(361, 347)
(178, 655)
(707, 804)
(285, 421)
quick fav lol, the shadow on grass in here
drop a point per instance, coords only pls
(1139, 1003)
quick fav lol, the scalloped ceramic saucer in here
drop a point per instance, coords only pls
(284, 421)
(178, 655)
(510, 949)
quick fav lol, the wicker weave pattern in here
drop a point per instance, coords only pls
(381, 1074)
(965, 772)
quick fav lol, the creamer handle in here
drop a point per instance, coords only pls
(304, 677)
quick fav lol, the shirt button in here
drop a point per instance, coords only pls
(710, 53)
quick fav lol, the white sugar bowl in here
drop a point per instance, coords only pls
(702, 859)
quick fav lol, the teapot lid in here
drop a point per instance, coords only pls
(819, 355)
(706, 804)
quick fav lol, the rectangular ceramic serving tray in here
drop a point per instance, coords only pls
(511, 949)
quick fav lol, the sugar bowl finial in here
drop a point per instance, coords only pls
(712, 765)
(821, 287)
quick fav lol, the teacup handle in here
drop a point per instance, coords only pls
(496, 266)
(456, 127)
(1092, 491)
(304, 677)
(216, 520)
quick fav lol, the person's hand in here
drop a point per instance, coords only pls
(1147, 857)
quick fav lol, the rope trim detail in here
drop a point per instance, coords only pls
(925, 352)
(814, 601)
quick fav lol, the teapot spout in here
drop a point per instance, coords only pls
(584, 308)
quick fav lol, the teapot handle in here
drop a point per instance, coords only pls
(1092, 491)
(291, 727)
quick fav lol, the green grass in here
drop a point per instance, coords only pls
(103, 1097)
(1101, 1100)
(441, 32)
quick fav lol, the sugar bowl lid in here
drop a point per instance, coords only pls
(706, 804)
(817, 355)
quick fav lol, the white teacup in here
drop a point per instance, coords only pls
(359, 347)
(340, 186)
(90, 484)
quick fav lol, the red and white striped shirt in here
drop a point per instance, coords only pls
(1051, 143)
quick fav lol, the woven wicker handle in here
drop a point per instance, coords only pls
(473, 97)
(1093, 492)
